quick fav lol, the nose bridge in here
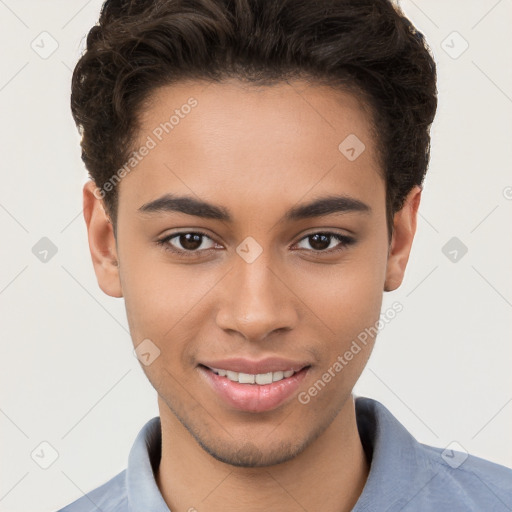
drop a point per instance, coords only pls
(258, 302)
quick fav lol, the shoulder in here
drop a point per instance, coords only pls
(108, 497)
(469, 481)
(408, 476)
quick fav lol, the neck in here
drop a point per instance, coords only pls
(329, 475)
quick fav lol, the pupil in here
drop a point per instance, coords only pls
(324, 243)
(190, 241)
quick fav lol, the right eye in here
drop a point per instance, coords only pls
(185, 242)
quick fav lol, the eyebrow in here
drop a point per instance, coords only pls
(328, 205)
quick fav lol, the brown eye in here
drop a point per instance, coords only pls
(326, 242)
(319, 241)
(186, 242)
(190, 241)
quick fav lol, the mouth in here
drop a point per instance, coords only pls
(253, 392)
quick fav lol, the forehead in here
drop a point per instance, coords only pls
(240, 140)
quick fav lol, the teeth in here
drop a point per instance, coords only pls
(277, 376)
(246, 378)
(232, 375)
(264, 378)
(249, 378)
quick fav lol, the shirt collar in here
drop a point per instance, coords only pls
(399, 469)
(143, 461)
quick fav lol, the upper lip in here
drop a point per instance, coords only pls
(267, 365)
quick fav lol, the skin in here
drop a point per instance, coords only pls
(256, 151)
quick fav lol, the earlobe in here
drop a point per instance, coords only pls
(102, 243)
(404, 222)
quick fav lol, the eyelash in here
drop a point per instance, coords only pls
(345, 241)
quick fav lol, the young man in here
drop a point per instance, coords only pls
(256, 173)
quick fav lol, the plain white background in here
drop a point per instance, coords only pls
(68, 374)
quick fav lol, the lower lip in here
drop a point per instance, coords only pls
(253, 397)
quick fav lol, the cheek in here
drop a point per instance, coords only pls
(160, 301)
(348, 297)
(349, 304)
(164, 302)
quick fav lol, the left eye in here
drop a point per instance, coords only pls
(321, 242)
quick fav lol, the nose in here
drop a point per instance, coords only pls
(257, 300)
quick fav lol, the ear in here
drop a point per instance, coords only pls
(102, 243)
(404, 229)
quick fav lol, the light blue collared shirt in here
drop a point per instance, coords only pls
(405, 475)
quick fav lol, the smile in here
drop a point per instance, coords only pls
(251, 378)
(253, 392)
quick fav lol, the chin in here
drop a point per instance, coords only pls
(249, 455)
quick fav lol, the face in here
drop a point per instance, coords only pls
(249, 242)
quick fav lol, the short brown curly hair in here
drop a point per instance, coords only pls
(367, 47)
